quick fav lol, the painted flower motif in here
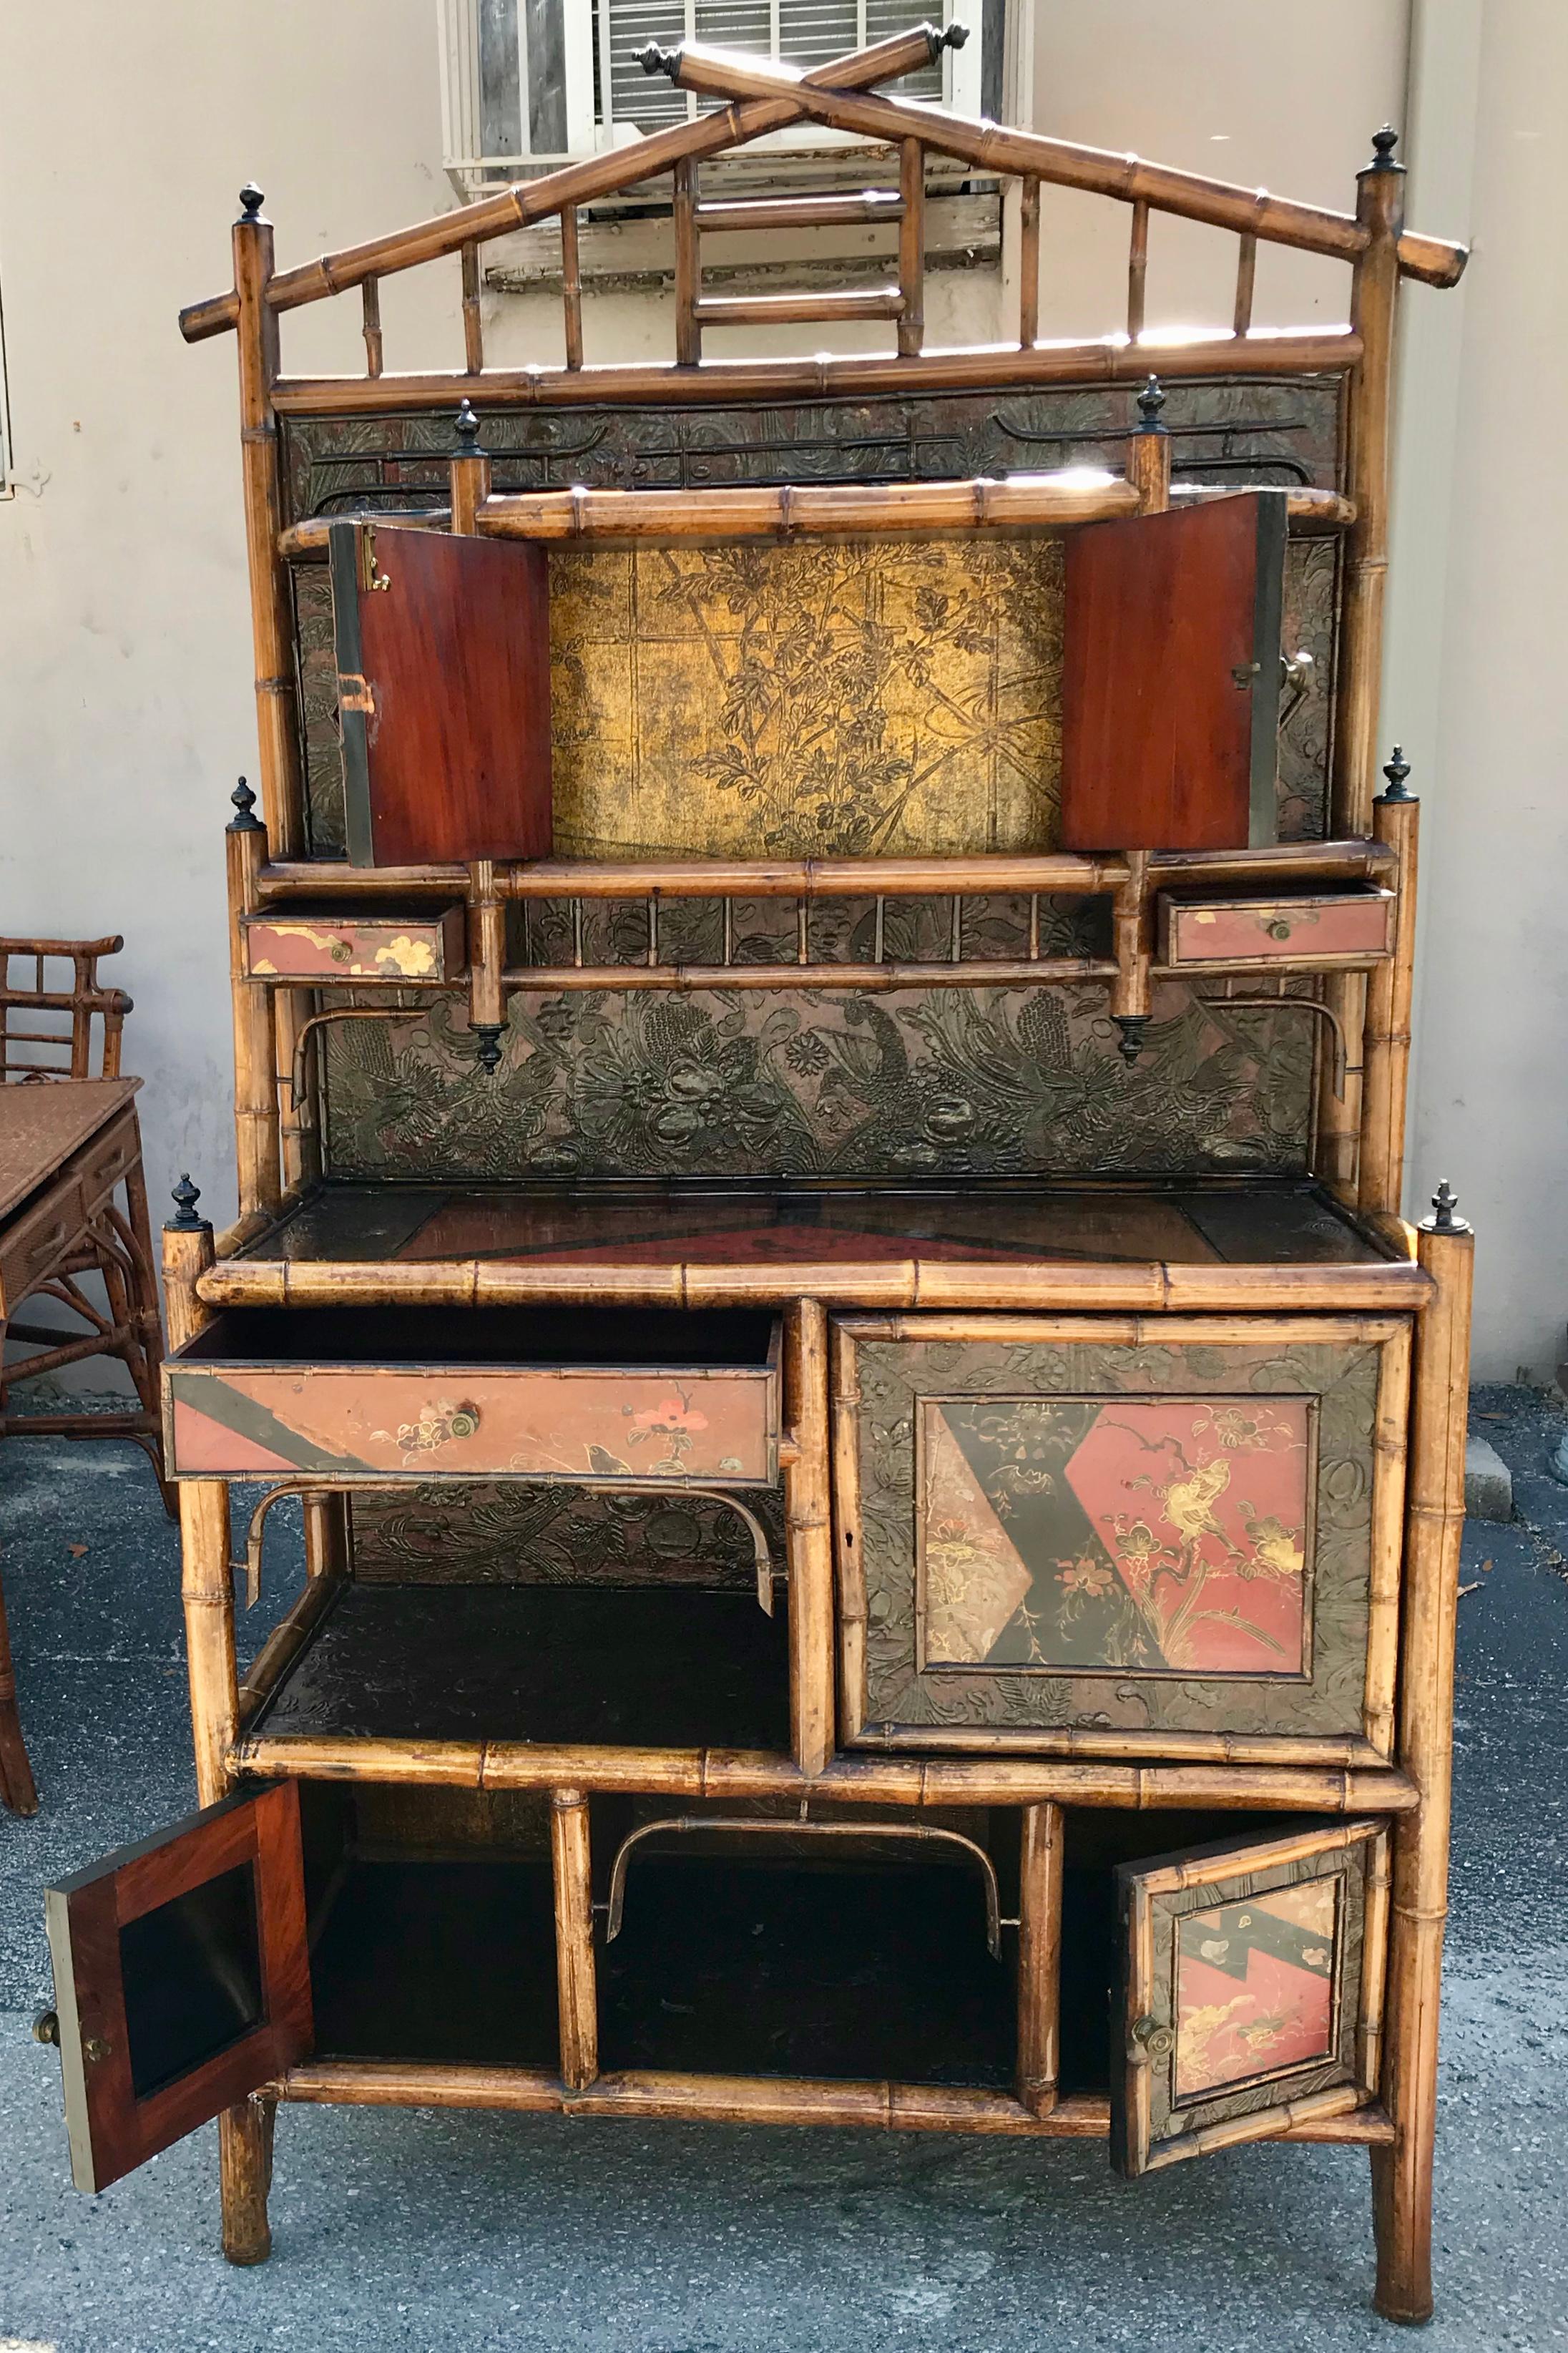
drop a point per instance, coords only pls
(406, 956)
(1085, 1576)
(1315, 1955)
(670, 1415)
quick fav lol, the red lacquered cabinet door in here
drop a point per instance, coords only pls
(443, 652)
(1170, 678)
(181, 1978)
(1251, 1990)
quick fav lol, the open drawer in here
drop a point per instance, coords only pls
(418, 943)
(1201, 932)
(648, 1394)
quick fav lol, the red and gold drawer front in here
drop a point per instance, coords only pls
(424, 945)
(233, 1416)
(1347, 923)
(1057, 1534)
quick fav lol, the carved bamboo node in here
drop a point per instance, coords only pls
(1151, 401)
(244, 800)
(1383, 143)
(1396, 770)
(251, 201)
(184, 1221)
(1442, 1220)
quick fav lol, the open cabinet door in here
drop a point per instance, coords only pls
(1251, 1993)
(443, 650)
(1170, 678)
(181, 1978)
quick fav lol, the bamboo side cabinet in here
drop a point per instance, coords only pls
(821, 1007)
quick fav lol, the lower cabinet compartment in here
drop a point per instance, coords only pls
(432, 1927)
(865, 1969)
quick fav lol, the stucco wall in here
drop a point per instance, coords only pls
(124, 655)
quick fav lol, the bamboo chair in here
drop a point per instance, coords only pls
(60, 1026)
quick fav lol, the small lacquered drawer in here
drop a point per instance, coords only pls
(419, 943)
(647, 1395)
(1331, 925)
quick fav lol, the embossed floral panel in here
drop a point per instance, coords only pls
(1050, 1537)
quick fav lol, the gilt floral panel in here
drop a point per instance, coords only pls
(1081, 1536)
(852, 699)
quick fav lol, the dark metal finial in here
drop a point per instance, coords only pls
(1383, 143)
(251, 200)
(467, 430)
(488, 1034)
(244, 800)
(1396, 770)
(1445, 1201)
(1131, 1043)
(954, 38)
(653, 59)
(185, 1220)
(1151, 401)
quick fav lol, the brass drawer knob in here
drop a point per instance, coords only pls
(47, 2028)
(1158, 2040)
(1278, 929)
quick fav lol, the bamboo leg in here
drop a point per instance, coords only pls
(17, 1789)
(1402, 2175)
(255, 1121)
(244, 2177)
(207, 1589)
(1386, 1053)
(575, 1973)
(810, 1540)
(1039, 1956)
(146, 1356)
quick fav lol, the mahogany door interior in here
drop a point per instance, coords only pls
(181, 1978)
(1170, 678)
(443, 654)
(1249, 1992)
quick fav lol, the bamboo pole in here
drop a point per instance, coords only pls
(1380, 209)
(327, 1544)
(1132, 929)
(207, 1590)
(187, 1256)
(912, 314)
(1402, 2175)
(469, 474)
(473, 323)
(1149, 452)
(575, 1965)
(1029, 264)
(1397, 820)
(739, 2099)
(851, 1596)
(255, 1087)
(808, 1529)
(688, 268)
(487, 955)
(277, 717)
(370, 304)
(936, 1285)
(244, 2177)
(1229, 1784)
(1137, 268)
(572, 287)
(1245, 280)
(1039, 1956)
(1103, 360)
(760, 510)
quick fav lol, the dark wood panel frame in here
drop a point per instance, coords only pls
(111, 2130)
(1150, 2125)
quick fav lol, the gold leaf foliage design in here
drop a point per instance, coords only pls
(839, 700)
(937, 1082)
(1343, 1379)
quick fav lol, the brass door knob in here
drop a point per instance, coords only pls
(1157, 2039)
(47, 2028)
